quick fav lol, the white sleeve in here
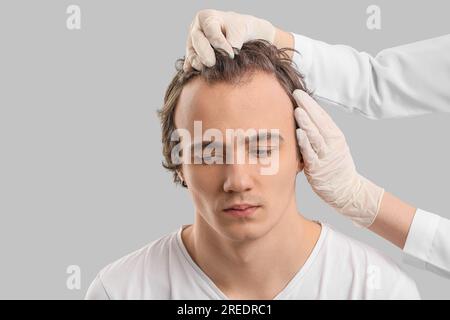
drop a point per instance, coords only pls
(404, 81)
(428, 242)
(96, 290)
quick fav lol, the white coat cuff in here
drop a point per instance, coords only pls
(419, 242)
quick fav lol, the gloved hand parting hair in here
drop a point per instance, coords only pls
(222, 30)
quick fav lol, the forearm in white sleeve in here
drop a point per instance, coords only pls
(404, 81)
(429, 241)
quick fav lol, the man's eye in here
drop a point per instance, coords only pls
(210, 158)
(262, 152)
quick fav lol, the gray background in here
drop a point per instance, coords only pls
(81, 180)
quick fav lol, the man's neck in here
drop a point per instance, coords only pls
(259, 268)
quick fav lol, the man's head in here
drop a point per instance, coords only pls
(250, 92)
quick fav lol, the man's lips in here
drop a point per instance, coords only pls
(241, 206)
(241, 210)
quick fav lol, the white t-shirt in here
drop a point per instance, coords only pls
(337, 268)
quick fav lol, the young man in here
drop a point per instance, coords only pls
(248, 240)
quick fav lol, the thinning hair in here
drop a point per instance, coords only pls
(254, 56)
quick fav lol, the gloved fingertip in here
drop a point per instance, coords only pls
(196, 64)
(210, 61)
(298, 114)
(299, 93)
(236, 50)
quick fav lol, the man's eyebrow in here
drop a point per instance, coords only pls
(251, 138)
(206, 143)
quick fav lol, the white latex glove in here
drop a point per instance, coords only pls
(329, 166)
(222, 30)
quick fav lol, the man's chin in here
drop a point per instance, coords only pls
(244, 230)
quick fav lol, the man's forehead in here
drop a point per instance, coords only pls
(258, 102)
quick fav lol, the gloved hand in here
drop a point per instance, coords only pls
(222, 30)
(329, 166)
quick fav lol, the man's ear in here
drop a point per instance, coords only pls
(181, 177)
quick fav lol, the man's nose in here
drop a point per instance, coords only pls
(238, 178)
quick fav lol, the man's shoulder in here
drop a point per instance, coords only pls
(146, 256)
(338, 242)
(132, 272)
(375, 269)
(349, 250)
